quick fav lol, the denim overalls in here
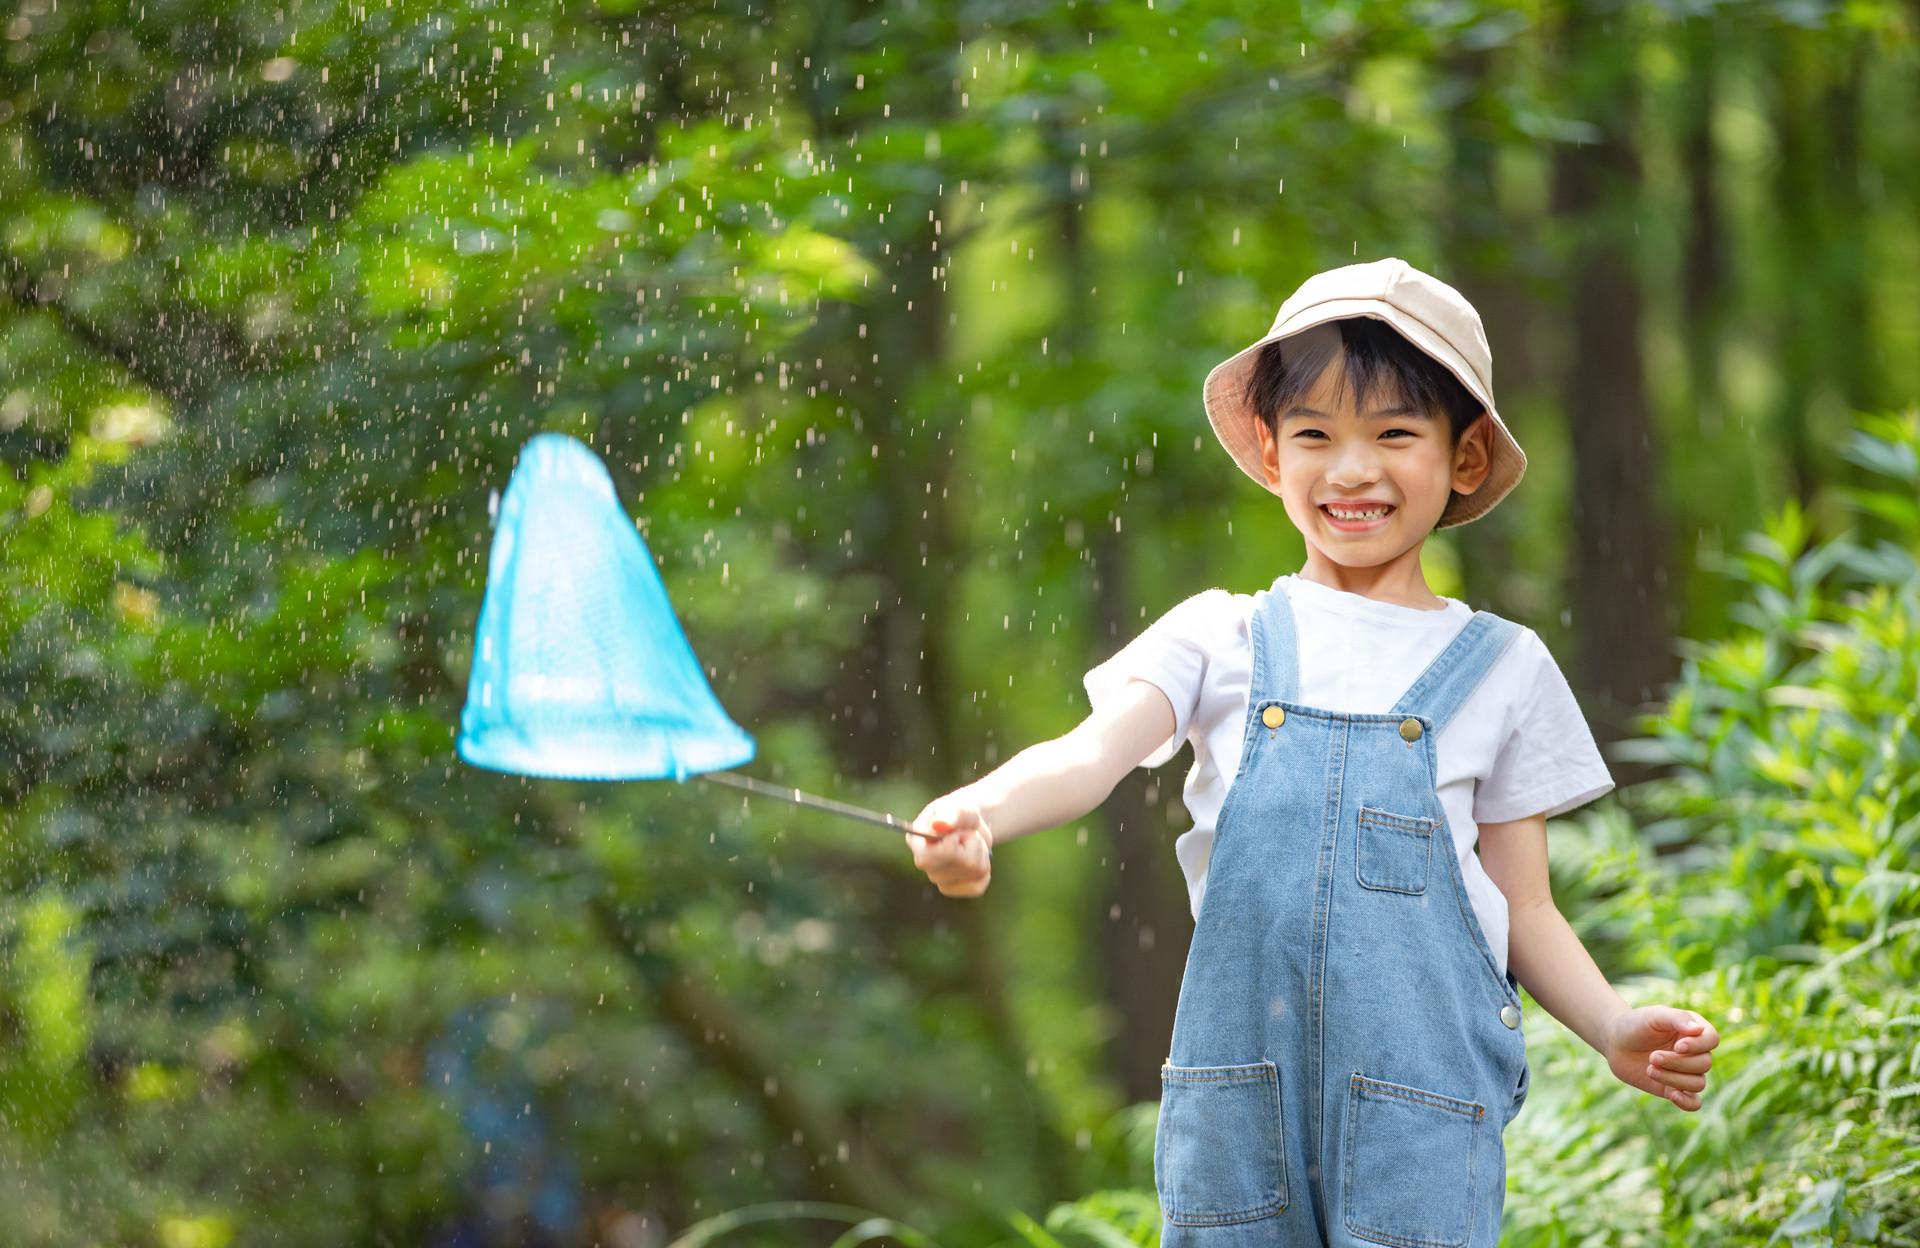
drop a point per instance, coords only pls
(1345, 1051)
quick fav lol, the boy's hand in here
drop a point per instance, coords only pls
(960, 861)
(1662, 1050)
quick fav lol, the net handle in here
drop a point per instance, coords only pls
(751, 785)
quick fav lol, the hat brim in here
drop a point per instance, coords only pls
(1233, 418)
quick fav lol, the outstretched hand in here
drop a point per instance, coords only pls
(959, 858)
(1663, 1051)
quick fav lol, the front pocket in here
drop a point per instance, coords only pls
(1409, 1164)
(1394, 851)
(1217, 1150)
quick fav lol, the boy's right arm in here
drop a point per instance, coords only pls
(1058, 780)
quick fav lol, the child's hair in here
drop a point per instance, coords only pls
(1376, 354)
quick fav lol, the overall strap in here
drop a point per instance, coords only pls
(1276, 671)
(1458, 670)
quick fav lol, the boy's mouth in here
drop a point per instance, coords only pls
(1357, 521)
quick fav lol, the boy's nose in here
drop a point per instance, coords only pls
(1354, 466)
(1357, 477)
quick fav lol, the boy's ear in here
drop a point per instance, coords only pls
(1269, 451)
(1473, 457)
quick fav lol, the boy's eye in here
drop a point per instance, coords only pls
(1304, 432)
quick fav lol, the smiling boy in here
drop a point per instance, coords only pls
(1349, 1014)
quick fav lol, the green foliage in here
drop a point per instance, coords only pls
(74, 614)
(1787, 912)
(889, 320)
(42, 1076)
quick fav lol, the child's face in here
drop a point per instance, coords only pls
(1327, 451)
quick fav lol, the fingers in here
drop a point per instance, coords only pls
(1694, 1035)
(957, 862)
(974, 888)
(1703, 1039)
(1689, 1101)
(1684, 1063)
(954, 849)
(930, 850)
(1678, 1079)
(1676, 1072)
(1656, 1083)
(937, 857)
(1667, 1018)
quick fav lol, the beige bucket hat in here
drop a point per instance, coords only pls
(1427, 312)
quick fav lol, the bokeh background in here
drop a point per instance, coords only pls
(890, 320)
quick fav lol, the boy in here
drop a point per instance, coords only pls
(1348, 1017)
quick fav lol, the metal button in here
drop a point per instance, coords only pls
(1510, 1015)
(1410, 729)
(1273, 717)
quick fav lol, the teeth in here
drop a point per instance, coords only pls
(1375, 514)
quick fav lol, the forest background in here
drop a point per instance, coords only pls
(890, 320)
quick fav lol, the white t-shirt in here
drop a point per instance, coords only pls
(1518, 746)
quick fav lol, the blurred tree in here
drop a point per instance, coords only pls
(890, 323)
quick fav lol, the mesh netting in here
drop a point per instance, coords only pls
(580, 668)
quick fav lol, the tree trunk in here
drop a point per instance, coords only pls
(1796, 207)
(1619, 569)
(1704, 264)
(1479, 242)
(1847, 232)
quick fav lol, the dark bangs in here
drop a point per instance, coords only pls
(1379, 363)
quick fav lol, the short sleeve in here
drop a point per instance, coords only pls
(1547, 762)
(1171, 654)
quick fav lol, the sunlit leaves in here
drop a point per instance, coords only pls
(1794, 916)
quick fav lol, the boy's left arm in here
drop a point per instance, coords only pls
(1657, 1048)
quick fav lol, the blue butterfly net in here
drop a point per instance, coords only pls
(580, 668)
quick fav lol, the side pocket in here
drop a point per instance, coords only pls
(1520, 1093)
(1217, 1155)
(1409, 1164)
(1393, 851)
